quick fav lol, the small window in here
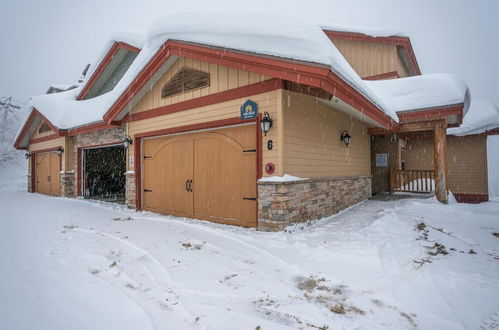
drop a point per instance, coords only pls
(44, 128)
(185, 80)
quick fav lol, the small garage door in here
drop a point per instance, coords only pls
(48, 166)
(209, 175)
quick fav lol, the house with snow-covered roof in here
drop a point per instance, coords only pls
(195, 121)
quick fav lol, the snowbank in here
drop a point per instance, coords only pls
(284, 178)
(481, 117)
(420, 92)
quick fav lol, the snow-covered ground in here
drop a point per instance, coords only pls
(77, 264)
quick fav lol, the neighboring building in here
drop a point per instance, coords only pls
(173, 123)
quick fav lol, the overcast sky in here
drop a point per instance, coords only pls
(49, 42)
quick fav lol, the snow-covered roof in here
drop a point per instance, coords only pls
(482, 116)
(281, 37)
(422, 92)
(372, 32)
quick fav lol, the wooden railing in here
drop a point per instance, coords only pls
(414, 181)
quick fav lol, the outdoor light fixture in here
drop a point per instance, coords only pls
(127, 142)
(345, 137)
(59, 151)
(27, 155)
(266, 123)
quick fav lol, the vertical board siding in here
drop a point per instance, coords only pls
(221, 79)
(47, 144)
(466, 162)
(313, 148)
(224, 110)
(369, 59)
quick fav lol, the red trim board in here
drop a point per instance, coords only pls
(103, 64)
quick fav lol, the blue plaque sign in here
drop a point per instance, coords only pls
(249, 110)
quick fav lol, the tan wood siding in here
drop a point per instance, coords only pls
(313, 148)
(221, 79)
(230, 109)
(47, 144)
(369, 59)
(466, 162)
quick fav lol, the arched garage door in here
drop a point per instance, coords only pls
(209, 175)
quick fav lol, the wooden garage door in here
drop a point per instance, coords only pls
(47, 173)
(209, 175)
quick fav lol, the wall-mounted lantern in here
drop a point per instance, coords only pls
(27, 155)
(345, 137)
(59, 151)
(266, 123)
(128, 142)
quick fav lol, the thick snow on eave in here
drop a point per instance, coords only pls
(260, 34)
(422, 92)
(372, 32)
(483, 116)
(284, 37)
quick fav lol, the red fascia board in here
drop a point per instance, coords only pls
(431, 114)
(103, 64)
(308, 74)
(392, 40)
(34, 113)
(386, 75)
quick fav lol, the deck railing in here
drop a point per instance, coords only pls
(414, 181)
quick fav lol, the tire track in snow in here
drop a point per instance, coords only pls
(156, 275)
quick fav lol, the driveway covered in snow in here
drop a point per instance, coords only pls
(402, 264)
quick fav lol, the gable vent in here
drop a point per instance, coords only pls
(185, 80)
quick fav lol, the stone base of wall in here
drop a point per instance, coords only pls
(68, 188)
(281, 204)
(130, 190)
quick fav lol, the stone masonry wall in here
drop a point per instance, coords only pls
(281, 204)
(68, 188)
(130, 189)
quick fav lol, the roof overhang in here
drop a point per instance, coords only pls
(404, 43)
(103, 65)
(311, 74)
(452, 114)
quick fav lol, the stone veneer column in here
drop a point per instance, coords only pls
(68, 184)
(130, 189)
(281, 204)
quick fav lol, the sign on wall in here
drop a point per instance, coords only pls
(130, 162)
(249, 110)
(381, 160)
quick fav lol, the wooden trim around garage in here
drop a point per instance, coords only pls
(103, 64)
(33, 164)
(493, 132)
(137, 141)
(90, 128)
(231, 94)
(471, 198)
(381, 76)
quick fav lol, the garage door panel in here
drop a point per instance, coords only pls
(166, 171)
(55, 166)
(42, 173)
(222, 166)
